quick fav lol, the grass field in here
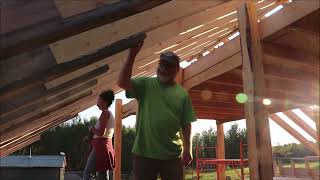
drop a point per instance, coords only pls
(313, 165)
(212, 175)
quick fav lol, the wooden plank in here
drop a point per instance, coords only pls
(212, 59)
(118, 139)
(17, 14)
(39, 93)
(43, 118)
(219, 110)
(142, 22)
(75, 7)
(213, 71)
(301, 123)
(24, 65)
(130, 108)
(43, 104)
(293, 57)
(220, 152)
(259, 142)
(37, 36)
(18, 143)
(65, 68)
(314, 114)
(298, 8)
(6, 152)
(311, 146)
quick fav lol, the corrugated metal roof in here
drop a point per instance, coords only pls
(33, 161)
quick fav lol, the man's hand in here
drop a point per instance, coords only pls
(186, 157)
(86, 139)
(135, 50)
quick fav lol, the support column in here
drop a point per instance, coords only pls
(259, 141)
(118, 139)
(220, 151)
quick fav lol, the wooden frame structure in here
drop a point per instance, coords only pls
(54, 78)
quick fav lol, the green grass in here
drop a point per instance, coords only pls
(313, 165)
(212, 175)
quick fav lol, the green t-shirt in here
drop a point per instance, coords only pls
(163, 111)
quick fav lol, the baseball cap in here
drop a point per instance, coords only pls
(170, 58)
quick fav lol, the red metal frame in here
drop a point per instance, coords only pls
(214, 161)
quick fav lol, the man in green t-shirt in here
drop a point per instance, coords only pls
(163, 129)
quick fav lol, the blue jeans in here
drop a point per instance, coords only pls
(90, 169)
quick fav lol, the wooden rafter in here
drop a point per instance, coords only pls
(57, 29)
(311, 146)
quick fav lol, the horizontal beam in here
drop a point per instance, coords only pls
(130, 108)
(36, 36)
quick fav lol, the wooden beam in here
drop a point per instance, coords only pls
(130, 108)
(74, 7)
(46, 102)
(40, 119)
(160, 23)
(292, 56)
(259, 141)
(301, 123)
(16, 15)
(28, 63)
(221, 110)
(309, 23)
(39, 93)
(118, 139)
(314, 114)
(57, 29)
(5, 152)
(214, 71)
(65, 68)
(311, 146)
(220, 152)
(36, 132)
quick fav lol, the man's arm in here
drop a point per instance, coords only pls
(187, 146)
(126, 71)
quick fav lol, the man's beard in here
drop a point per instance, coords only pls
(164, 79)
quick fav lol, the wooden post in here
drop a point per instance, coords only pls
(309, 172)
(275, 168)
(259, 141)
(292, 168)
(280, 167)
(118, 139)
(220, 151)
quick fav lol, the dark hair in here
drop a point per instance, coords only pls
(170, 57)
(107, 96)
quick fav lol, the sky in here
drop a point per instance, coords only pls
(278, 135)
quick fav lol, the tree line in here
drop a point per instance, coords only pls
(68, 138)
